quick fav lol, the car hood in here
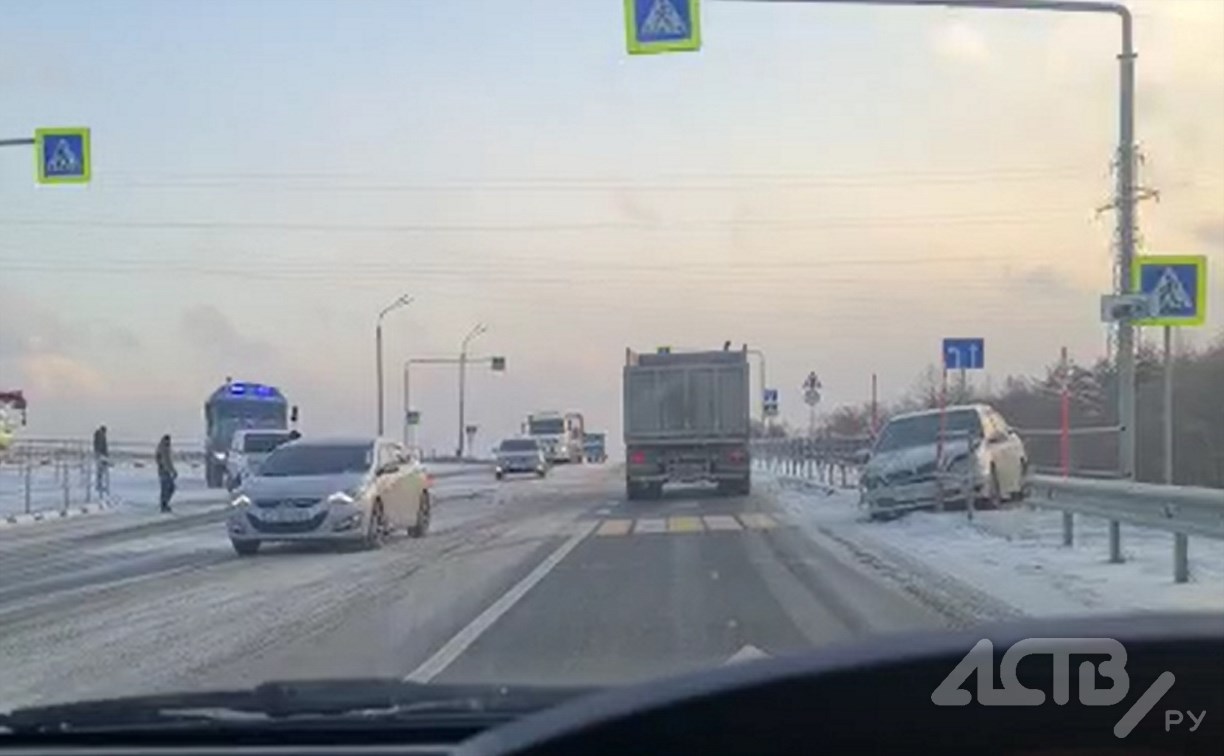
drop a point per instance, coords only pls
(913, 457)
(301, 486)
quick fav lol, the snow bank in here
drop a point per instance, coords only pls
(1015, 556)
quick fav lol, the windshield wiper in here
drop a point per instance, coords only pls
(370, 700)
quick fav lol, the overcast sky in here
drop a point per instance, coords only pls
(840, 187)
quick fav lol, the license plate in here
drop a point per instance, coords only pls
(288, 515)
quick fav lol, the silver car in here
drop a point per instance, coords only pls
(355, 491)
(909, 468)
(520, 455)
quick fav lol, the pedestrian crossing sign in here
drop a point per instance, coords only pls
(62, 155)
(655, 26)
(1176, 284)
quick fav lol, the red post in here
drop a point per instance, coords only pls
(1064, 437)
(875, 416)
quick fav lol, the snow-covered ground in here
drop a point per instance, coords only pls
(1010, 562)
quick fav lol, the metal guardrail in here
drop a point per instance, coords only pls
(1181, 510)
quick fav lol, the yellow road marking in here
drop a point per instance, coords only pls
(757, 521)
(684, 524)
(721, 522)
(614, 527)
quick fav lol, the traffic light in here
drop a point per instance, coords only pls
(498, 364)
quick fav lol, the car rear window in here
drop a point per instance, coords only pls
(519, 444)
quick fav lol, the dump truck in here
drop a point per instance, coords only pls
(686, 420)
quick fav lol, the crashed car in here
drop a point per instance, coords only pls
(908, 468)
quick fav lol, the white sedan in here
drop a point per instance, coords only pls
(908, 465)
(339, 490)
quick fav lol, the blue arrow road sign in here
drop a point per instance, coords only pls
(62, 155)
(769, 400)
(1177, 285)
(964, 354)
(653, 26)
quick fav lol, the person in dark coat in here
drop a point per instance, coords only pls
(166, 474)
(101, 461)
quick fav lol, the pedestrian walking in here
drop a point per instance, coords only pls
(101, 449)
(166, 474)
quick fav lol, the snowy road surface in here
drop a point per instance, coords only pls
(558, 580)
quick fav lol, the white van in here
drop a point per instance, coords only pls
(249, 448)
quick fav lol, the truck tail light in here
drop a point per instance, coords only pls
(736, 455)
(637, 457)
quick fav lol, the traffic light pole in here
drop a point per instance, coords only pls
(497, 363)
(1124, 202)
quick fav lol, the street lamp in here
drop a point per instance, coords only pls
(403, 301)
(476, 331)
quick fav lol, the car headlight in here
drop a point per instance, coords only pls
(341, 497)
(219, 455)
(241, 500)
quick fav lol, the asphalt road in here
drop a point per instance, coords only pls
(557, 580)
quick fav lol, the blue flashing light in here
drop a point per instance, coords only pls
(253, 389)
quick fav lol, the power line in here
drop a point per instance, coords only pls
(601, 225)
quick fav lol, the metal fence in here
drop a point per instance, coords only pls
(833, 460)
(41, 474)
(1086, 452)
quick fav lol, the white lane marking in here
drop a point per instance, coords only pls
(453, 648)
(747, 653)
(650, 525)
(721, 522)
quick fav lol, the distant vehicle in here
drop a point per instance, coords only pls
(978, 447)
(686, 420)
(12, 405)
(520, 455)
(595, 447)
(560, 434)
(343, 490)
(248, 450)
(234, 406)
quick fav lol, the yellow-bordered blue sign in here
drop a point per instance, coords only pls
(61, 155)
(655, 26)
(1177, 283)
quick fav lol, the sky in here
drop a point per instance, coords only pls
(840, 187)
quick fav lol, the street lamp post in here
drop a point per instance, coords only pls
(403, 301)
(1124, 202)
(478, 330)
